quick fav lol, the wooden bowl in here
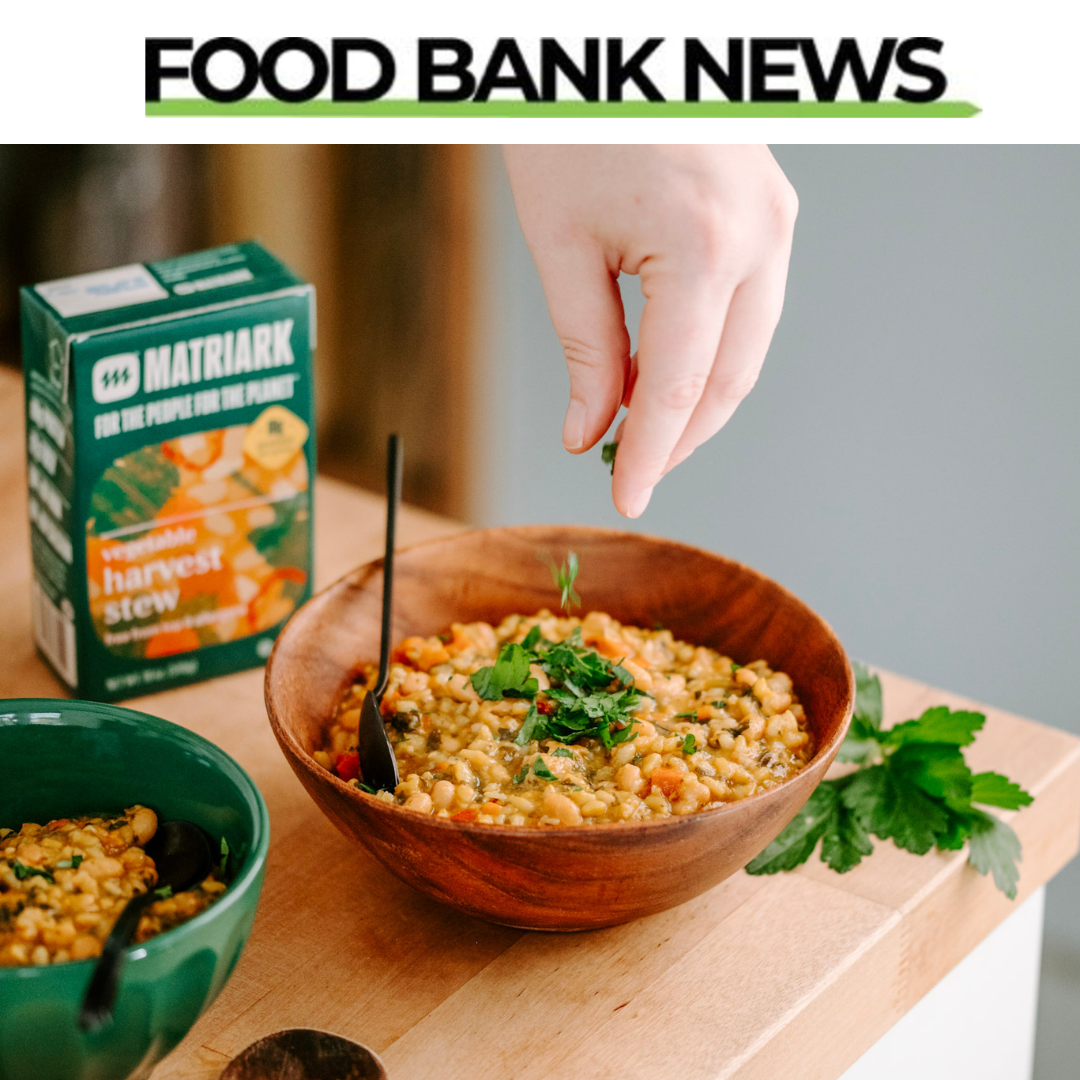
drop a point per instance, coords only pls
(556, 878)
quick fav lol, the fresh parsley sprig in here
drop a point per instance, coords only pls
(912, 786)
(564, 577)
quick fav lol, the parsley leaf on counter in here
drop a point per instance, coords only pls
(993, 789)
(912, 786)
(994, 848)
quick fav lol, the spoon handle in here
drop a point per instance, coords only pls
(393, 497)
(97, 1004)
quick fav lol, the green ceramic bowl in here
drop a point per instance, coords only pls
(70, 758)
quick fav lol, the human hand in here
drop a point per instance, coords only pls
(708, 229)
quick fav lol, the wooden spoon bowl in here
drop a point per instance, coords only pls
(556, 878)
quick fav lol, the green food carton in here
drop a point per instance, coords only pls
(171, 461)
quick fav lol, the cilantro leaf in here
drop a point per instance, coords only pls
(563, 751)
(532, 639)
(520, 778)
(797, 840)
(689, 744)
(938, 725)
(607, 454)
(164, 892)
(993, 789)
(509, 676)
(995, 849)
(867, 696)
(70, 864)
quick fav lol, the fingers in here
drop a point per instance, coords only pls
(587, 313)
(678, 340)
(751, 319)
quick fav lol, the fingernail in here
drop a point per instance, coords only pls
(637, 504)
(573, 429)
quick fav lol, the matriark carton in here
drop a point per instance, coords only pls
(171, 462)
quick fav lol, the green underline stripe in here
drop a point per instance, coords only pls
(394, 107)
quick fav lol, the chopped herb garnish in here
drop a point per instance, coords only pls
(689, 744)
(70, 864)
(164, 892)
(912, 786)
(607, 454)
(445, 637)
(22, 872)
(540, 769)
(564, 577)
(735, 667)
(224, 864)
(521, 775)
(592, 697)
(563, 751)
(366, 787)
(686, 715)
(532, 723)
(507, 677)
(118, 824)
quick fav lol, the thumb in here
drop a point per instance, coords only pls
(586, 310)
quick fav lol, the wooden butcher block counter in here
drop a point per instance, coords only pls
(794, 975)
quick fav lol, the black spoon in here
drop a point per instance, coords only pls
(181, 853)
(378, 766)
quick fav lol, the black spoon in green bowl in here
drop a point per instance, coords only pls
(378, 765)
(181, 853)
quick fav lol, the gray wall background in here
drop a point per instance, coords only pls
(915, 430)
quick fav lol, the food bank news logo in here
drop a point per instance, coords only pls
(588, 77)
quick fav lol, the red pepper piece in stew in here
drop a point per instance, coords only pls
(348, 766)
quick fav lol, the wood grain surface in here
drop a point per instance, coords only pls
(788, 976)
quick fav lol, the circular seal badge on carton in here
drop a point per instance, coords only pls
(275, 437)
